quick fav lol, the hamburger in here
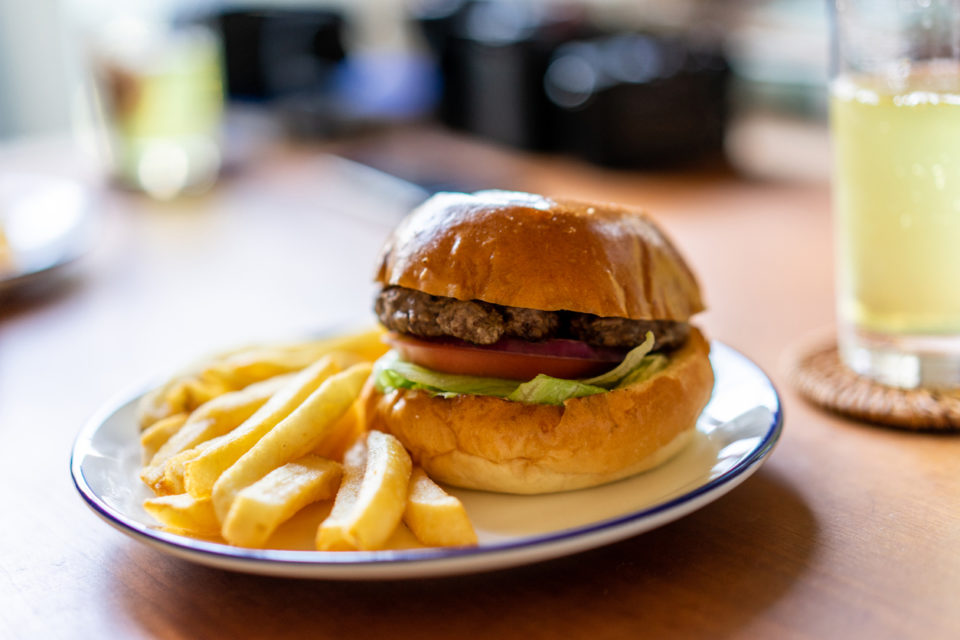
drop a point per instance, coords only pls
(538, 345)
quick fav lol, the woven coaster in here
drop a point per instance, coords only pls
(821, 378)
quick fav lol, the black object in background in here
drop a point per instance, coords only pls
(543, 77)
(278, 52)
(639, 99)
(492, 57)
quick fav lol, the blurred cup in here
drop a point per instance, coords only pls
(159, 89)
(895, 119)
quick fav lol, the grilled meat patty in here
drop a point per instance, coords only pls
(414, 312)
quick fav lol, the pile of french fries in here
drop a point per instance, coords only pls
(240, 444)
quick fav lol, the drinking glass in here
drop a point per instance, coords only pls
(895, 121)
(160, 94)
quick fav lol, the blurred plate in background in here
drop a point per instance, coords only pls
(45, 223)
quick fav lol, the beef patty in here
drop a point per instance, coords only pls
(409, 311)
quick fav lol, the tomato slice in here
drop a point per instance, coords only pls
(509, 358)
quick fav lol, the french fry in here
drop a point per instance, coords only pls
(221, 414)
(257, 362)
(332, 533)
(170, 480)
(180, 395)
(202, 472)
(247, 367)
(158, 433)
(301, 432)
(216, 417)
(343, 434)
(260, 508)
(198, 391)
(402, 538)
(204, 443)
(184, 512)
(368, 345)
(242, 367)
(365, 346)
(372, 496)
(434, 516)
(157, 404)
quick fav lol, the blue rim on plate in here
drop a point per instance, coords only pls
(431, 561)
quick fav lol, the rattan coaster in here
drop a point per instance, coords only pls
(820, 377)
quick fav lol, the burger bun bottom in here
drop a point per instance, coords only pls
(491, 444)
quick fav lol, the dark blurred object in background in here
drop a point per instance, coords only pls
(492, 57)
(544, 77)
(639, 99)
(298, 65)
(532, 75)
(273, 53)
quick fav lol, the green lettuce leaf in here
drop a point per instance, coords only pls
(391, 372)
(649, 366)
(609, 379)
(547, 390)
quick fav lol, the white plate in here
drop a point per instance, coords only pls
(48, 223)
(735, 433)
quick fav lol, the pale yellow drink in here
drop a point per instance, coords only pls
(897, 203)
(163, 98)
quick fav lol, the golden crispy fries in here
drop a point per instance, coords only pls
(348, 429)
(241, 369)
(220, 415)
(197, 392)
(303, 431)
(434, 516)
(169, 479)
(158, 404)
(366, 345)
(402, 538)
(184, 512)
(372, 496)
(238, 369)
(158, 433)
(260, 508)
(332, 533)
(180, 395)
(243, 445)
(203, 472)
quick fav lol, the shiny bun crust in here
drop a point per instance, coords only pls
(482, 442)
(521, 250)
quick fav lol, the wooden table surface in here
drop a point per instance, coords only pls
(848, 531)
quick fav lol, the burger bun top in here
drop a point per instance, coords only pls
(523, 250)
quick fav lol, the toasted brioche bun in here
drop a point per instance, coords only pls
(483, 442)
(522, 250)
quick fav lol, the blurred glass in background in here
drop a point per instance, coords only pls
(159, 96)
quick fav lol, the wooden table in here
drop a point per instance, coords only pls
(849, 531)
